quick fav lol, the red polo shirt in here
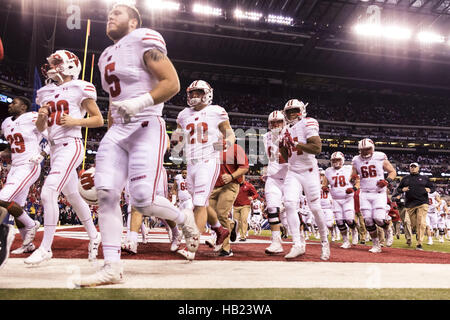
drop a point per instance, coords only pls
(245, 190)
(232, 159)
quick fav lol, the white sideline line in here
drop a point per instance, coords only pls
(59, 273)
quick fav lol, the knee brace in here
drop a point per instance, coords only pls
(351, 223)
(341, 226)
(370, 226)
(382, 223)
(273, 216)
(441, 232)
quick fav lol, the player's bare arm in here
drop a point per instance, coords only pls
(389, 169)
(43, 113)
(94, 120)
(313, 145)
(228, 133)
(325, 182)
(162, 68)
(227, 178)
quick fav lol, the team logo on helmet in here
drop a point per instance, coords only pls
(276, 117)
(207, 93)
(337, 159)
(61, 62)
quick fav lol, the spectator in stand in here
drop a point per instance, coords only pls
(247, 193)
(416, 188)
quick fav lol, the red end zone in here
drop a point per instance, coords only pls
(76, 248)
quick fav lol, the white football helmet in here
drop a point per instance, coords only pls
(292, 105)
(321, 172)
(61, 62)
(366, 148)
(337, 160)
(276, 116)
(200, 85)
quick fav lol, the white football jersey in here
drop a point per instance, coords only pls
(326, 200)
(256, 206)
(433, 204)
(300, 132)
(201, 131)
(339, 181)
(183, 193)
(65, 98)
(277, 167)
(23, 137)
(370, 171)
(124, 73)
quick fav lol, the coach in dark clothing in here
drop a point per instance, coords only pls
(416, 188)
(399, 198)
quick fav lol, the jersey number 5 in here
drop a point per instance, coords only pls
(110, 79)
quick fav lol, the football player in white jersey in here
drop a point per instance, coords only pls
(206, 132)
(276, 174)
(442, 213)
(256, 215)
(64, 101)
(326, 202)
(301, 143)
(181, 192)
(370, 166)
(432, 216)
(339, 177)
(26, 156)
(139, 78)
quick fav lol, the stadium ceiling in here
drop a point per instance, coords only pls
(319, 41)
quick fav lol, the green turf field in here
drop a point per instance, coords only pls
(225, 294)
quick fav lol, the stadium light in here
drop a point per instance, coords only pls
(377, 30)
(127, 2)
(279, 19)
(430, 37)
(206, 10)
(163, 5)
(254, 16)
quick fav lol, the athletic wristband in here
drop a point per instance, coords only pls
(355, 188)
(231, 176)
(389, 180)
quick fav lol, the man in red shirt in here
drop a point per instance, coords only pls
(247, 193)
(233, 166)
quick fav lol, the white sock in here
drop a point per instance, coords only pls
(111, 253)
(23, 232)
(26, 220)
(83, 212)
(49, 200)
(133, 236)
(276, 234)
(216, 225)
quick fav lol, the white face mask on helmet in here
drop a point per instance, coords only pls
(207, 93)
(294, 104)
(62, 62)
(366, 148)
(276, 116)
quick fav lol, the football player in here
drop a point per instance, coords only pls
(370, 166)
(301, 143)
(339, 178)
(326, 202)
(26, 156)
(64, 101)
(275, 176)
(206, 132)
(139, 78)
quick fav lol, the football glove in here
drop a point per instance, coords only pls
(36, 159)
(131, 107)
(382, 183)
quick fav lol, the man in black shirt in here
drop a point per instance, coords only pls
(416, 188)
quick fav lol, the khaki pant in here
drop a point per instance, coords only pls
(360, 225)
(418, 217)
(221, 200)
(406, 223)
(241, 215)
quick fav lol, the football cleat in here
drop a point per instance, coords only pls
(325, 255)
(129, 246)
(190, 231)
(38, 256)
(346, 245)
(7, 235)
(430, 241)
(222, 234)
(24, 249)
(275, 247)
(187, 254)
(376, 248)
(31, 233)
(110, 273)
(389, 237)
(296, 250)
(93, 247)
